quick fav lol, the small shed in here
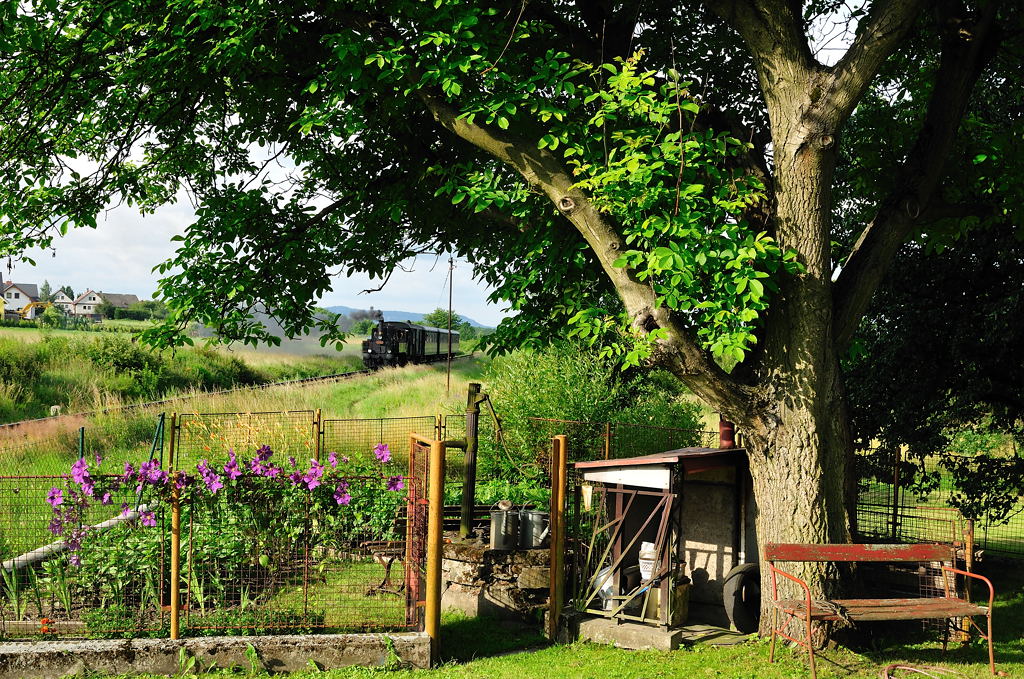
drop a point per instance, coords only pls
(667, 527)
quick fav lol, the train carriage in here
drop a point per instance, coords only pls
(399, 342)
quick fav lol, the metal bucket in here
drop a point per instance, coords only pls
(504, 529)
(533, 530)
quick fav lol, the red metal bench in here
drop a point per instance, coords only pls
(808, 609)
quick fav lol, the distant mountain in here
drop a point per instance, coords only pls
(399, 315)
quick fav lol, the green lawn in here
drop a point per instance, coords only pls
(491, 650)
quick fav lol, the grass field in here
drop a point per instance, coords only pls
(87, 371)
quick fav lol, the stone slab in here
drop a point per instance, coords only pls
(634, 636)
(286, 653)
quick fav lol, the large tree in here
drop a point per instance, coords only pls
(658, 175)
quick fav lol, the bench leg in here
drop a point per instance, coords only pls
(810, 648)
(991, 654)
(775, 628)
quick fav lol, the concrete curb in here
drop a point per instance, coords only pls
(286, 653)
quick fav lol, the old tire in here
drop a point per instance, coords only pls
(741, 593)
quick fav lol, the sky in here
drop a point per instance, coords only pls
(119, 256)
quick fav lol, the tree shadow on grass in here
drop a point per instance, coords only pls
(464, 638)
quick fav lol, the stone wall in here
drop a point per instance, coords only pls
(510, 584)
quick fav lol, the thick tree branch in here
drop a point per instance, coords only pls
(774, 34)
(878, 36)
(680, 352)
(965, 53)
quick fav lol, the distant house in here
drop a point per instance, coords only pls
(65, 303)
(87, 304)
(19, 295)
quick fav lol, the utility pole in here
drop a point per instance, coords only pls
(451, 269)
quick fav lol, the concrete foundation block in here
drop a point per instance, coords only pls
(629, 635)
(287, 653)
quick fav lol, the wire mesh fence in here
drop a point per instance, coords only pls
(70, 570)
(356, 436)
(277, 534)
(263, 558)
(200, 436)
(914, 501)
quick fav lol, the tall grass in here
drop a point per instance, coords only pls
(51, 448)
(87, 371)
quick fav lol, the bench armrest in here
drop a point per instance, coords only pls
(991, 589)
(775, 585)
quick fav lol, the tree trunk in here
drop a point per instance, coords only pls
(799, 465)
(797, 431)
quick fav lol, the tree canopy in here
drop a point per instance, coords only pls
(438, 318)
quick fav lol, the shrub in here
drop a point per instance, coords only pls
(121, 354)
(18, 363)
(570, 382)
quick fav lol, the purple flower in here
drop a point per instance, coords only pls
(99, 459)
(263, 453)
(126, 509)
(332, 459)
(150, 472)
(395, 483)
(210, 477)
(56, 525)
(147, 518)
(295, 477)
(106, 499)
(345, 458)
(313, 476)
(341, 495)
(292, 461)
(75, 560)
(55, 497)
(382, 453)
(181, 480)
(129, 472)
(88, 487)
(80, 471)
(231, 468)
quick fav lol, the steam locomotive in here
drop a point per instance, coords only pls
(399, 343)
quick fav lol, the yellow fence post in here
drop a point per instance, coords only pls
(559, 478)
(175, 535)
(435, 537)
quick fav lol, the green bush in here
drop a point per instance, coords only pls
(570, 382)
(18, 363)
(121, 354)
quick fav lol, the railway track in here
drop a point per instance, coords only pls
(336, 377)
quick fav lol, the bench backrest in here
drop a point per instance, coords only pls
(881, 553)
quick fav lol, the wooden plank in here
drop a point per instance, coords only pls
(867, 610)
(833, 552)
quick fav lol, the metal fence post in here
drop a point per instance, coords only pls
(559, 477)
(435, 537)
(317, 434)
(175, 537)
(469, 468)
(607, 440)
(896, 497)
